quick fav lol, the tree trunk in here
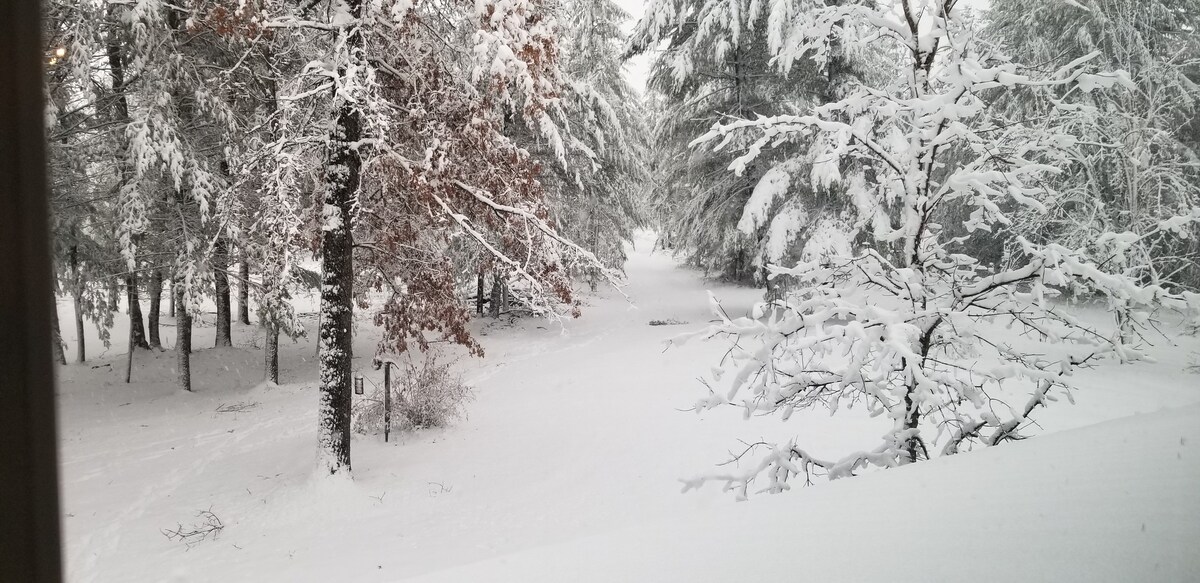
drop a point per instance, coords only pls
(114, 296)
(171, 287)
(183, 340)
(244, 290)
(59, 355)
(221, 282)
(77, 297)
(479, 294)
(271, 354)
(79, 328)
(156, 281)
(503, 296)
(494, 308)
(137, 329)
(129, 359)
(337, 279)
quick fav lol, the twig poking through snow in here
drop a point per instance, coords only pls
(209, 525)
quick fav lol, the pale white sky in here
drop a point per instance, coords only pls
(637, 69)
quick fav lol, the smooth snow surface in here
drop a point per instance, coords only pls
(568, 467)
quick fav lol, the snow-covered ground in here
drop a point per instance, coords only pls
(568, 467)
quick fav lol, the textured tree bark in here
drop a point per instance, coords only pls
(183, 340)
(156, 282)
(337, 279)
(271, 355)
(137, 329)
(221, 282)
(171, 287)
(244, 290)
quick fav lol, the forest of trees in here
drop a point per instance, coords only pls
(444, 159)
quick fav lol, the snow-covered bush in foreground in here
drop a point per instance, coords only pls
(907, 326)
(426, 393)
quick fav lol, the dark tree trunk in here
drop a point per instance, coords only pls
(337, 279)
(137, 329)
(183, 340)
(244, 290)
(77, 296)
(271, 354)
(503, 296)
(269, 320)
(479, 294)
(171, 292)
(221, 282)
(129, 359)
(494, 308)
(156, 283)
(60, 356)
(114, 296)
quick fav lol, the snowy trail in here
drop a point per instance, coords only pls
(576, 440)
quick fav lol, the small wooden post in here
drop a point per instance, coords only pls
(387, 400)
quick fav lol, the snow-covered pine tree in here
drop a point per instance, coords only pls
(85, 253)
(909, 325)
(1135, 163)
(595, 196)
(141, 117)
(715, 63)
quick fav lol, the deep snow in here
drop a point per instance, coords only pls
(567, 469)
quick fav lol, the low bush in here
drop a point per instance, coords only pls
(426, 393)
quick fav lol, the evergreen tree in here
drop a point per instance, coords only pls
(721, 60)
(1135, 163)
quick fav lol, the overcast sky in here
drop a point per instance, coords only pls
(637, 68)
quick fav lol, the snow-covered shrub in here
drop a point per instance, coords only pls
(426, 393)
(910, 324)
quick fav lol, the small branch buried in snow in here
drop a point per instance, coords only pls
(209, 525)
(236, 407)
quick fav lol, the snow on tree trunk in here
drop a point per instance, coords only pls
(244, 290)
(337, 279)
(183, 340)
(220, 262)
(271, 354)
(156, 283)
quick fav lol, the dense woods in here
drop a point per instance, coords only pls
(901, 175)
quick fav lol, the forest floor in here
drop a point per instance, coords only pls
(567, 468)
